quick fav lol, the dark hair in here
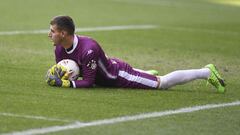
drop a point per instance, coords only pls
(64, 23)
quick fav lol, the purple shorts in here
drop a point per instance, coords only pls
(131, 78)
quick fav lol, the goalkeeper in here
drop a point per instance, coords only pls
(97, 69)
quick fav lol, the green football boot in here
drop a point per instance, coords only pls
(152, 72)
(215, 79)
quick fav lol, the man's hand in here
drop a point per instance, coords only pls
(57, 76)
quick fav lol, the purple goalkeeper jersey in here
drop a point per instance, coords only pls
(97, 68)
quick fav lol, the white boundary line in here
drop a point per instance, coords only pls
(122, 119)
(202, 30)
(33, 117)
(103, 28)
(127, 27)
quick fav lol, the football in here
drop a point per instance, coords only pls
(72, 68)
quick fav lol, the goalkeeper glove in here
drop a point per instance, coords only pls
(57, 76)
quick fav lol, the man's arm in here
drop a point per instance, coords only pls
(57, 55)
(89, 70)
(55, 75)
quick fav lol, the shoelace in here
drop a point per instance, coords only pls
(214, 82)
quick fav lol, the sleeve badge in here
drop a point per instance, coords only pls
(92, 64)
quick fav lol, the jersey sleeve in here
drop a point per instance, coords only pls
(57, 55)
(89, 70)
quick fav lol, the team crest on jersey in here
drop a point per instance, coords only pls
(92, 64)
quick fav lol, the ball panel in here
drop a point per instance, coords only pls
(72, 68)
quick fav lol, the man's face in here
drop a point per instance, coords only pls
(55, 35)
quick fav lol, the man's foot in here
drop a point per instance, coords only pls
(152, 72)
(215, 79)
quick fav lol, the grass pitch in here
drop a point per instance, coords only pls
(189, 34)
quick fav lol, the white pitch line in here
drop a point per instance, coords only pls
(33, 117)
(129, 27)
(112, 28)
(201, 30)
(122, 119)
(103, 28)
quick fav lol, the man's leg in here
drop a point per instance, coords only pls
(183, 76)
(209, 73)
(129, 77)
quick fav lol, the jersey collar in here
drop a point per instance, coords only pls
(75, 42)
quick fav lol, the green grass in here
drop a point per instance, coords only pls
(192, 123)
(190, 34)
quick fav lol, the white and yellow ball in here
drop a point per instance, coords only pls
(71, 67)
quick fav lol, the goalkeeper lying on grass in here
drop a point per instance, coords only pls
(97, 69)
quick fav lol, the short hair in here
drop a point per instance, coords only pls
(64, 23)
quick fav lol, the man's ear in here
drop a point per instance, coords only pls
(63, 33)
